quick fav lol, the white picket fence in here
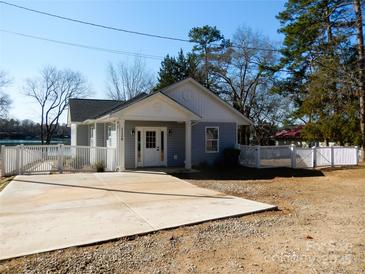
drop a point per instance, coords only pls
(33, 159)
(296, 157)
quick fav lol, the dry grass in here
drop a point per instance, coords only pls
(4, 181)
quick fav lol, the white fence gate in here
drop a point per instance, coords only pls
(55, 158)
(296, 157)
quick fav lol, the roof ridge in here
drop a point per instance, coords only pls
(92, 99)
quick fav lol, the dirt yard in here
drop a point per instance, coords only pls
(319, 227)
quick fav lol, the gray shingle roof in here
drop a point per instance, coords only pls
(123, 104)
(83, 109)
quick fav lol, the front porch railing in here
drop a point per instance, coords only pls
(33, 159)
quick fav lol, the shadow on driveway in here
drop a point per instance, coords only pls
(121, 190)
(245, 173)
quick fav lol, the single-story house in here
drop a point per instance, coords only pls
(184, 124)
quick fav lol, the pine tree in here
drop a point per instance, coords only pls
(174, 69)
(318, 63)
(209, 45)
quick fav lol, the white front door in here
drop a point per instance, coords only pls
(151, 146)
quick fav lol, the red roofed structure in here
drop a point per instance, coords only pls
(292, 134)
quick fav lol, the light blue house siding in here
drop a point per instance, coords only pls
(227, 139)
(175, 142)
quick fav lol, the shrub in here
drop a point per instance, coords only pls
(99, 166)
(231, 157)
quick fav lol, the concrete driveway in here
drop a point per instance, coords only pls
(48, 212)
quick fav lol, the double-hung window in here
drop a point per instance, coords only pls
(212, 139)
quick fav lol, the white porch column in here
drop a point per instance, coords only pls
(121, 145)
(188, 144)
(95, 134)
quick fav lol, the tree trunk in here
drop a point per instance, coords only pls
(48, 137)
(361, 63)
(50, 132)
(244, 138)
(206, 67)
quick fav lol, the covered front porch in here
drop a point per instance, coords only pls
(157, 143)
(155, 132)
(141, 143)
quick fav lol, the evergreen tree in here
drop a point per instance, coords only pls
(209, 45)
(332, 105)
(320, 75)
(174, 69)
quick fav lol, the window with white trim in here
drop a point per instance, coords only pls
(212, 139)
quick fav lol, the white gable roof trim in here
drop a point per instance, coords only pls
(156, 106)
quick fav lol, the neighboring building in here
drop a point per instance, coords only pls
(292, 136)
(184, 124)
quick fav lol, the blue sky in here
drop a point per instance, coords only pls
(22, 58)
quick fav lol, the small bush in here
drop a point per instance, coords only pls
(100, 166)
(231, 157)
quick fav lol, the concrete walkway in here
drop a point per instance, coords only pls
(47, 212)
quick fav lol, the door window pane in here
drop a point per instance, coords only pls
(150, 139)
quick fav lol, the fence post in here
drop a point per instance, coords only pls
(21, 158)
(314, 156)
(2, 166)
(356, 155)
(332, 156)
(17, 160)
(293, 150)
(258, 160)
(60, 157)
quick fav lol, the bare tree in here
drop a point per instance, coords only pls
(126, 80)
(52, 91)
(4, 98)
(246, 80)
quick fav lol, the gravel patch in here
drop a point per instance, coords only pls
(314, 231)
